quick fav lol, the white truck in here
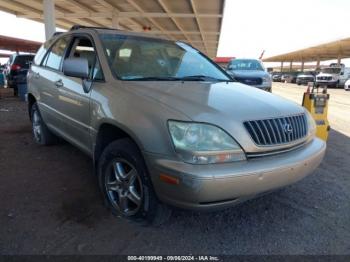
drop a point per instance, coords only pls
(334, 75)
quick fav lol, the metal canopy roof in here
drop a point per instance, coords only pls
(333, 50)
(18, 45)
(197, 22)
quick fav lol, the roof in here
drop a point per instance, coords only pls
(323, 52)
(223, 59)
(197, 22)
(17, 44)
(4, 55)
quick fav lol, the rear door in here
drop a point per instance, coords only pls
(48, 79)
(73, 102)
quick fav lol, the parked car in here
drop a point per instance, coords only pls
(276, 77)
(333, 76)
(250, 72)
(16, 70)
(347, 85)
(162, 131)
(289, 78)
(305, 78)
(2, 76)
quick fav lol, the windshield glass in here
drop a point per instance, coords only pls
(245, 64)
(141, 58)
(331, 70)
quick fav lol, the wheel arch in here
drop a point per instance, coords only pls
(106, 134)
(31, 101)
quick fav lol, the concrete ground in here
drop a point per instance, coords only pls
(50, 203)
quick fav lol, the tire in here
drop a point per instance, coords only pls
(41, 134)
(126, 186)
(337, 85)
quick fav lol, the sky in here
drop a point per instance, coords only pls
(281, 26)
(249, 26)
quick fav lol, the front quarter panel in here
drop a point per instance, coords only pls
(142, 118)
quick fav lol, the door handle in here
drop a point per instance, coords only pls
(59, 83)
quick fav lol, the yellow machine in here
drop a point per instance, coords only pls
(317, 104)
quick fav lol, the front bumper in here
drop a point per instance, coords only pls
(264, 86)
(326, 83)
(303, 81)
(208, 187)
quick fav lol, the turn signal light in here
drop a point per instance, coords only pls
(169, 179)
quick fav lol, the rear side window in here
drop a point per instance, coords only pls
(54, 57)
(24, 60)
(42, 51)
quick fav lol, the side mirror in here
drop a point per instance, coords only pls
(76, 67)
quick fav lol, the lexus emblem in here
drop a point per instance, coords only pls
(287, 128)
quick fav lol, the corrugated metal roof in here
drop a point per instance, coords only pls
(20, 45)
(328, 51)
(197, 22)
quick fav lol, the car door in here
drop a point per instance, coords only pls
(73, 101)
(47, 79)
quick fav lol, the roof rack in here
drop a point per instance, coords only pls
(77, 27)
(57, 33)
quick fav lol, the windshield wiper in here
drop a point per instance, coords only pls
(204, 78)
(153, 78)
(172, 78)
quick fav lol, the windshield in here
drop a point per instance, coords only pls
(141, 58)
(331, 70)
(245, 64)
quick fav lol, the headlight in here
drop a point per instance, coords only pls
(200, 143)
(311, 124)
(266, 79)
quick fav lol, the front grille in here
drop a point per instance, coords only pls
(324, 78)
(277, 131)
(306, 78)
(249, 80)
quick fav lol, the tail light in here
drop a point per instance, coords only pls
(15, 67)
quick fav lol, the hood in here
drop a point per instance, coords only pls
(226, 105)
(326, 74)
(305, 75)
(249, 73)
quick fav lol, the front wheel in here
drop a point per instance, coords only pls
(126, 185)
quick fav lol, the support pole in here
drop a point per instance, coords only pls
(339, 60)
(115, 21)
(318, 63)
(302, 66)
(281, 66)
(49, 18)
(291, 66)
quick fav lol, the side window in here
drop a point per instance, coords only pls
(42, 51)
(54, 57)
(83, 48)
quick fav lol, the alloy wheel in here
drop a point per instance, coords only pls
(36, 126)
(124, 187)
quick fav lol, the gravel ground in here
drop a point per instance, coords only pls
(50, 204)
